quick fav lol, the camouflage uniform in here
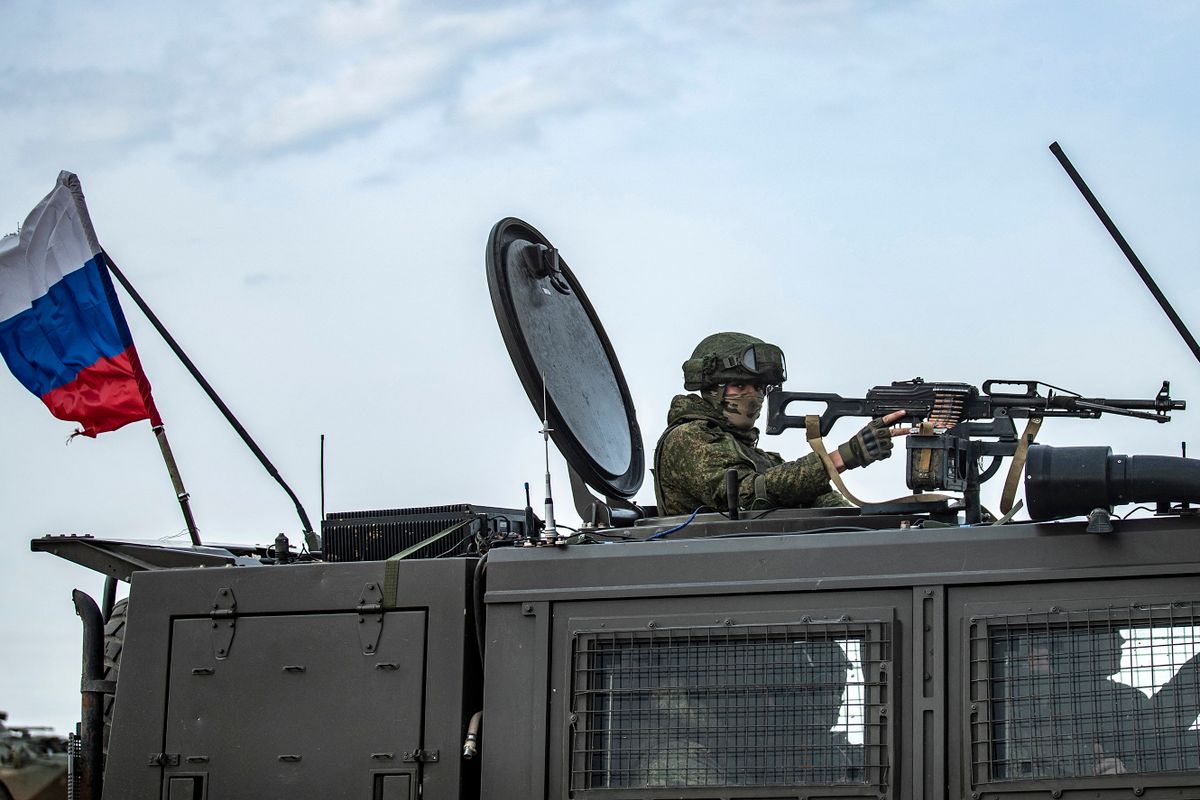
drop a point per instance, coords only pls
(771, 723)
(700, 445)
(684, 757)
(681, 762)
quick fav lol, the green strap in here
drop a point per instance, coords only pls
(812, 425)
(391, 567)
(1017, 467)
(1008, 515)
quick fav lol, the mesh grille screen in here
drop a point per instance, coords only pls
(729, 706)
(1080, 693)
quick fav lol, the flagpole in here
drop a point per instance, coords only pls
(71, 181)
(160, 433)
(309, 537)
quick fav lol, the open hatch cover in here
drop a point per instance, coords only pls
(552, 330)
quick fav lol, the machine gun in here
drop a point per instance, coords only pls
(950, 419)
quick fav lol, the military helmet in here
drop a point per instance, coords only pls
(729, 357)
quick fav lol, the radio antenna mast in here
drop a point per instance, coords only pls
(1134, 261)
(551, 531)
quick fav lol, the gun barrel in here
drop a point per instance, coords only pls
(1147, 405)
(1064, 403)
(1100, 408)
(1086, 407)
(1068, 402)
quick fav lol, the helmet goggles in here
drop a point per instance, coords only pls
(734, 358)
(765, 362)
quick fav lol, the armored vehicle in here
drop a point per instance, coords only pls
(33, 763)
(913, 650)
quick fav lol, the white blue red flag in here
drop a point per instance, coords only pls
(62, 332)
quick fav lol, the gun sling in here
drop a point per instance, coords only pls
(1032, 426)
(812, 428)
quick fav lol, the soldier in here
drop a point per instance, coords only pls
(1131, 732)
(773, 722)
(1068, 717)
(688, 753)
(797, 738)
(713, 431)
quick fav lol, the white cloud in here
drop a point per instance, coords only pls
(523, 89)
(517, 99)
(482, 28)
(244, 83)
(361, 94)
(351, 22)
(387, 59)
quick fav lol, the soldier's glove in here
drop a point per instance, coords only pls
(872, 443)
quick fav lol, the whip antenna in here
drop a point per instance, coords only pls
(551, 530)
(1134, 261)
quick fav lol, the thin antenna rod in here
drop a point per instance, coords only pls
(551, 529)
(322, 477)
(309, 537)
(1126, 249)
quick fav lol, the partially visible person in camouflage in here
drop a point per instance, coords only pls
(713, 431)
(1067, 715)
(686, 755)
(792, 706)
(774, 721)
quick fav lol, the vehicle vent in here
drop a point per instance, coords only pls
(379, 535)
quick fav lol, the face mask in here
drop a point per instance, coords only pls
(742, 411)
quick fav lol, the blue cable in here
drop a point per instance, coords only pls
(678, 527)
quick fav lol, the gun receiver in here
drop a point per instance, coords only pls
(944, 451)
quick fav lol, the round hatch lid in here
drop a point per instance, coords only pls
(552, 330)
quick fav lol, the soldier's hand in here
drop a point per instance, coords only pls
(872, 443)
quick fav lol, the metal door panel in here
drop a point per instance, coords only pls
(247, 719)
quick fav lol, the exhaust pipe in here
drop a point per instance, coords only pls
(1073, 481)
(93, 688)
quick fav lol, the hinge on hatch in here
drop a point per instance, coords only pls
(163, 760)
(224, 610)
(424, 756)
(370, 618)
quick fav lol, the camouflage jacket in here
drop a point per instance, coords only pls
(699, 446)
(681, 763)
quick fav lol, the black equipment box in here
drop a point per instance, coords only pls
(381, 534)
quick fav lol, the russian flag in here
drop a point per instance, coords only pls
(62, 332)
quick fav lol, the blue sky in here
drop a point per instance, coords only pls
(303, 192)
